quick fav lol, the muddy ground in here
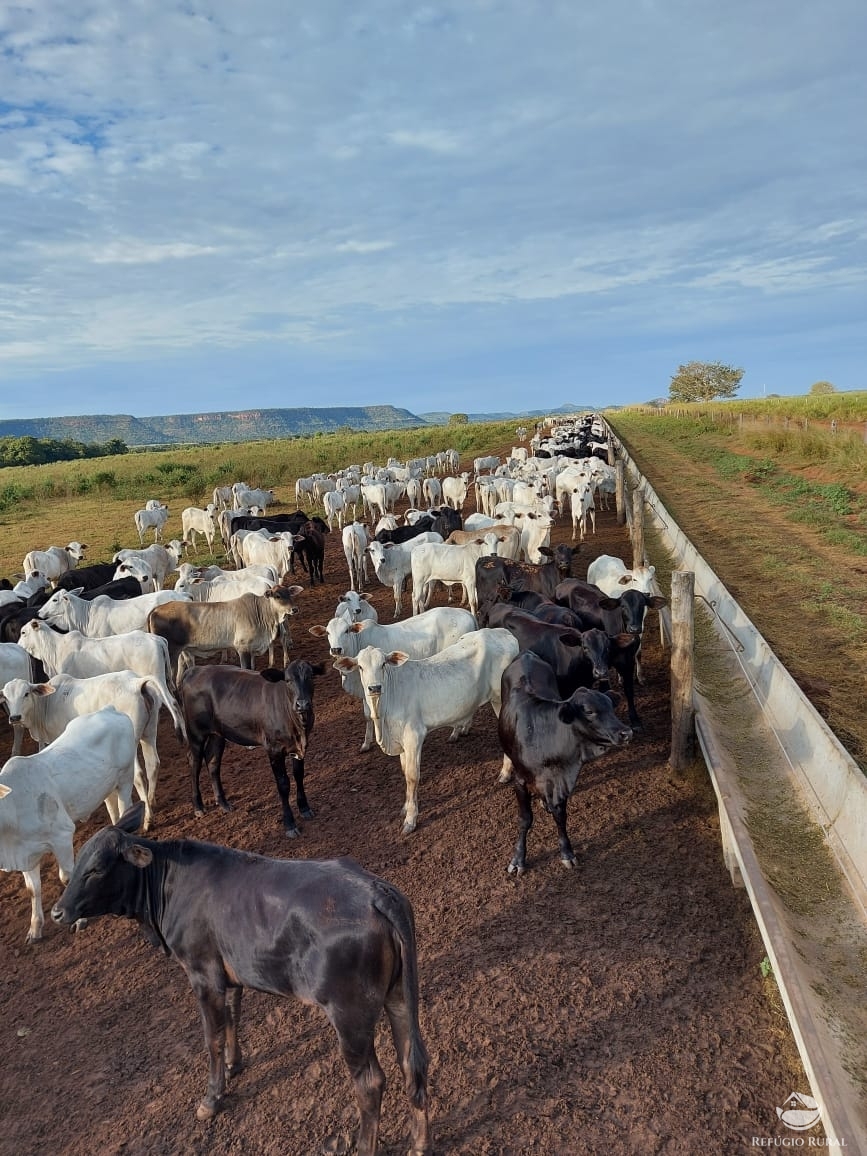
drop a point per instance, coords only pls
(616, 1008)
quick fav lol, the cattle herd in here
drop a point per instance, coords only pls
(90, 654)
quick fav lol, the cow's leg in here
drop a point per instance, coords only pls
(234, 1060)
(355, 1027)
(461, 728)
(195, 756)
(141, 789)
(567, 854)
(277, 759)
(301, 795)
(151, 758)
(626, 669)
(525, 822)
(410, 761)
(214, 746)
(33, 883)
(414, 1072)
(506, 771)
(212, 1005)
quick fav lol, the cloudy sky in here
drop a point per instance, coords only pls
(465, 205)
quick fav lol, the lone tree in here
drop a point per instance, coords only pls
(822, 387)
(704, 381)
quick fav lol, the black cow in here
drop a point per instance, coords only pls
(273, 710)
(616, 616)
(546, 741)
(309, 545)
(405, 533)
(446, 521)
(87, 576)
(117, 588)
(496, 576)
(578, 658)
(325, 931)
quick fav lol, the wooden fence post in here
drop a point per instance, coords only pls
(637, 528)
(612, 454)
(682, 648)
(620, 492)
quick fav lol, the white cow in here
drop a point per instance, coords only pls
(262, 548)
(23, 589)
(43, 796)
(221, 499)
(246, 496)
(392, 562)
(53, 562)
(226, 588)
(354, 539)
(448, 564)
(408, 697)
(150, 565)
(612, 576)
(432, 490)
(82, 657)
(102, 617)
(419, 637)
(195, 520)
(334, 504)
(14, 663)
(46, 709)
(151, 520)
(455, 491)
(355, 607)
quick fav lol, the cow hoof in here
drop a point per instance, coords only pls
(226, 806)
(206, 1111)
(198, 812)
(307, 813)
(407, 828)
(291, 832)
(505, 777)
(567, 863)
(31, 938)
(79, 925)
(515, 869)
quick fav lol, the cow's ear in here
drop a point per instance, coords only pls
(4, 790)
(547, 551)
(656, 601)
(367, 597)
(318, 668)
(294, 591)
(77, 592)
(138, 855)
(624, 580)
(43, 688)
(318, 631)
(397, 658)
(344, 664)
(356, 628)
(131, 820)
(272, 674)
(609, 603)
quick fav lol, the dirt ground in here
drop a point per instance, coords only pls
(616, 1008)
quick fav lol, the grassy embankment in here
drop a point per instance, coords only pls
(781, 515)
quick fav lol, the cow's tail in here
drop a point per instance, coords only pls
(159, 697)
(396, 908)
(177, 717)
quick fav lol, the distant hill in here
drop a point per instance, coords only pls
(185, 428)
(440, 417)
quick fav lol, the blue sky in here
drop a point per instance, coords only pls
(477, 205)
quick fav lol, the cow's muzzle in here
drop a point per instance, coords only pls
(336, 651)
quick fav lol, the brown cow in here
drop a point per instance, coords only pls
(273, 710)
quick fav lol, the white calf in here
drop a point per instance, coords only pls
(407, 697)
(354, 540)
(43, 796)
(151, 520)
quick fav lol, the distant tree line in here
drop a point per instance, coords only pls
(30, 451)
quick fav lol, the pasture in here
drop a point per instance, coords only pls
(619, 1007)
